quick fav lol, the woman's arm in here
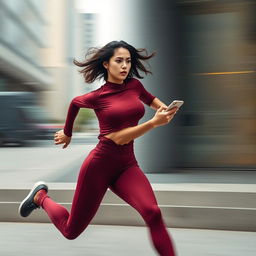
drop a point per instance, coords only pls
(125, 135)
(156, 104)
(83, 101)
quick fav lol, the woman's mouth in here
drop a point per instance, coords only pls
(124, 73)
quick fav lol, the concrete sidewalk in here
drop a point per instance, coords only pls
(43, 239)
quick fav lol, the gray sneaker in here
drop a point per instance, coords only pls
(28, 204)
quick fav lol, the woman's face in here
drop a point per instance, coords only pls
(118, 66)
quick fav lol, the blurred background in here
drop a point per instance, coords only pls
(206, 56)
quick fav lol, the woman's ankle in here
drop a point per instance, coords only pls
(39, 197)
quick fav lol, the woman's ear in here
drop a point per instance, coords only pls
(105, 64)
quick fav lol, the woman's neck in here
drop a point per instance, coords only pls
(114, 81)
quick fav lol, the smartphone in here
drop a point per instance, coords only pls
(175, 103)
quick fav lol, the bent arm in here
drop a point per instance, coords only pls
(125, 135)
(161, 117)
(71, 116)
(156, 103)
(83, 101)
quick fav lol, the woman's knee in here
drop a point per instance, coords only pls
(71, 236)
(152, 214)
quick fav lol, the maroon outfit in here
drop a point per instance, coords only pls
(110, 165)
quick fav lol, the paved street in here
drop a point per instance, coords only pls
(98, 240)
(45, 161)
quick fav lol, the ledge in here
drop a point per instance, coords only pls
(214, 206)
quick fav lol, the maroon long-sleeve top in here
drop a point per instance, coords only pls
(117, 106)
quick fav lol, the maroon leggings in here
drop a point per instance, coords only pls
(112, 166)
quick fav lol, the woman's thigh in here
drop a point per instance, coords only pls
(134, 188)
(92, 184)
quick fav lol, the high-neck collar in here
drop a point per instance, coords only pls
(112, 85)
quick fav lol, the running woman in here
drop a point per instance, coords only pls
(112, 163)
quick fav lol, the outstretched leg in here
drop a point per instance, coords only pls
(91, 186)
(134, 188)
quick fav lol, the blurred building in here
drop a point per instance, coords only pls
(86, 26)
(217, 71)
(38, 42)
(57, 57)
(70, 34)
(22, 36)
(87, 29)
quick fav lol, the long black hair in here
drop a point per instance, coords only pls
(93, 65)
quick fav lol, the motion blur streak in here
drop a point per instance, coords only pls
(226, 73)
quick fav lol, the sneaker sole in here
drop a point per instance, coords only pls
(31, 192)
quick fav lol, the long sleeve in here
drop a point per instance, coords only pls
(83, 101)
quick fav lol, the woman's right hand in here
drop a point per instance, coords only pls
(61, 138)
(163, 117)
